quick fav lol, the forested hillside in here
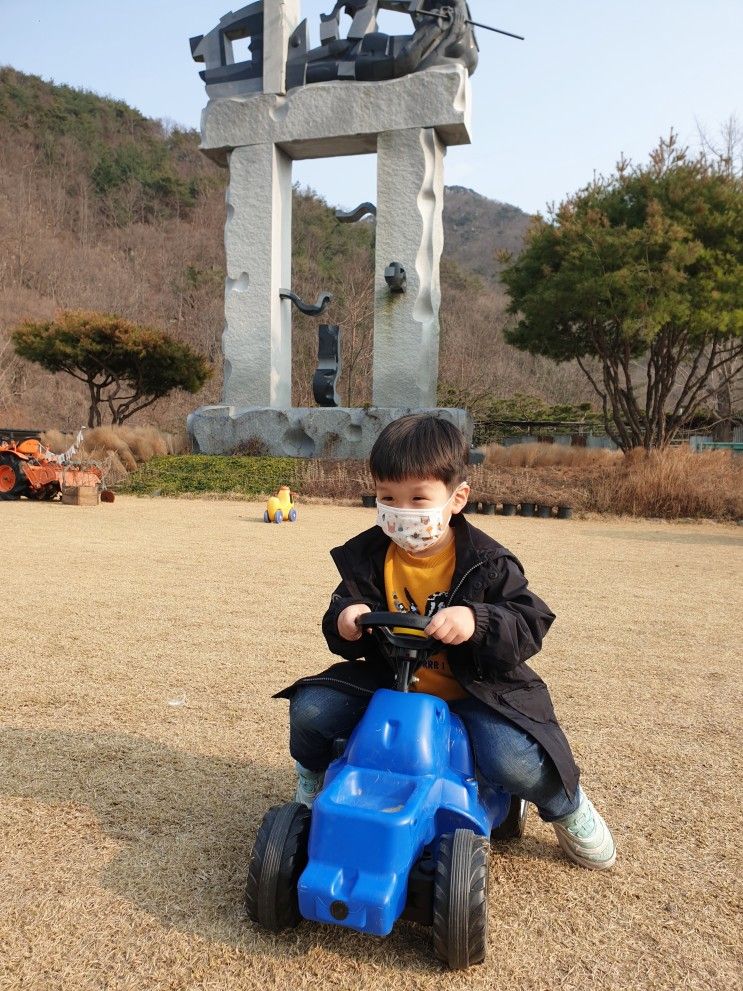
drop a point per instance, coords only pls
(104, 209)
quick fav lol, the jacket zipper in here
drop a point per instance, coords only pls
(461, 581)
(337, 681)
(478, 668)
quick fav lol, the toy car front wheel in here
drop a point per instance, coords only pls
(279, 856)
(460, 899)
(514, 825)
(278, 516)
(292, 515)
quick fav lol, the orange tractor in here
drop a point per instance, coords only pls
(32, 470)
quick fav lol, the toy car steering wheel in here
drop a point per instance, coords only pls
(404, 652)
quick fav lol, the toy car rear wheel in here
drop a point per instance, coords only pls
(278, 516)
(514, 825)
(279, 856)
(266, 517)
(13, 483)
(292, 515)
(460, 899)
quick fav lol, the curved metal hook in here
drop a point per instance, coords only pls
(307, 308)
(353, 215)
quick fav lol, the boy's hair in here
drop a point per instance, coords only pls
(420, 446)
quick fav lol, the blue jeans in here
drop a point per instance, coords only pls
(505, 755)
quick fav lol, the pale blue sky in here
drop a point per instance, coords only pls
(592, 80)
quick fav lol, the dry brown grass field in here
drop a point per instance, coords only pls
(140, 746)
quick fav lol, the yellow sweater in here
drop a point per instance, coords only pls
(421, 585)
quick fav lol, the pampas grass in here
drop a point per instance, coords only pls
(122, 448)
(547, 456)
(675, 483)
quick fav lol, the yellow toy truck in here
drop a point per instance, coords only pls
(280, 507)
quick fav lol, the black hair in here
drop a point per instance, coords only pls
(420, 446)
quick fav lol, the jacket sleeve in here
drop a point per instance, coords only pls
(350, 649)
(510, 624)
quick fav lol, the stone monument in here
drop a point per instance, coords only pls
(405, 97)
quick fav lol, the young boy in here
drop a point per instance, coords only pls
(424, 556)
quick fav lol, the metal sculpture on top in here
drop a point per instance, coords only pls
(442, 35)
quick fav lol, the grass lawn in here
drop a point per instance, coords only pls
(140, 746)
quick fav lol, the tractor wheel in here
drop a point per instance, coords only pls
(513, 826)
(279, 856)
(460, 900)
(13, 483)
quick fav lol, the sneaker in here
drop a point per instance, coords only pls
(309, 785)
(585, 838)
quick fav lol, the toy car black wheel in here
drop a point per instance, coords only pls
(13, 482)
(513, 826)
(279, 856)
(460, 899)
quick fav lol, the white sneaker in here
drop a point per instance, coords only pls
(309, 785)
(585, 837)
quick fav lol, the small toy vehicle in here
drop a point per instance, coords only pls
(401, 828)
(280, 507)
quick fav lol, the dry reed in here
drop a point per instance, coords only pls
(547, 456)
(132, 446)
(674, 483)
(336, 479)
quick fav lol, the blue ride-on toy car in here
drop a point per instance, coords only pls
(401, 828)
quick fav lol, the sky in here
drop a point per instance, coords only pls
(592, 81)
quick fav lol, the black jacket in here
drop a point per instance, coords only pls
(510, 623)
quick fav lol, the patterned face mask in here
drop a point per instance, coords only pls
(413, 529)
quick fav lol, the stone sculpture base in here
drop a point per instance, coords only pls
(316, 432)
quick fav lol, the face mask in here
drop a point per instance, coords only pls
(413, 529)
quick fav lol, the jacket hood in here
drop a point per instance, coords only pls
(359, 558)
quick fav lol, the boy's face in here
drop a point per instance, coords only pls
(423, 494)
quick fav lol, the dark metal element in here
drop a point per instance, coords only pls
(443, 34)
(369, 55)
(222, 75)
(544, 512)
(8, 433)
(308, 309)
(395, 277)
(359, 213)
(475, 24)
(328, 366)
(564, 512)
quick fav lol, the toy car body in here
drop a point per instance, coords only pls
(280, 507)
(401, 828)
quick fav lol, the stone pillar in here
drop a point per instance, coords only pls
(410, 201)
(280, 18)
(257, 336)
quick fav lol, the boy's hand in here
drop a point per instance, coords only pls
(347, 627)
(453, 625)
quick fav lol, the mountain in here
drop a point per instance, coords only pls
(477, 228)
(104, 209)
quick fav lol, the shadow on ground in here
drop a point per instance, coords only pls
(184, 825)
